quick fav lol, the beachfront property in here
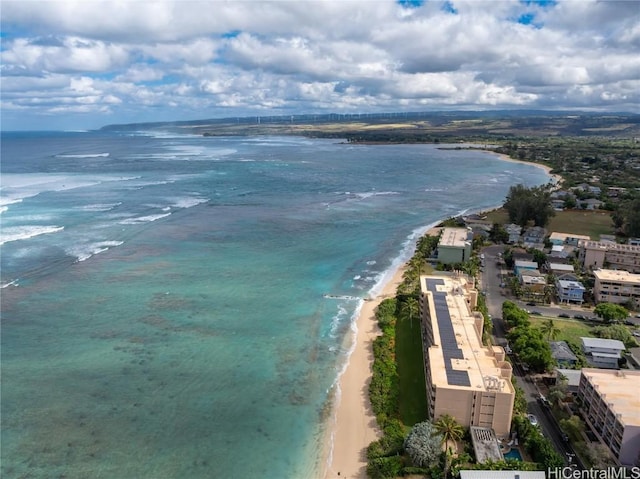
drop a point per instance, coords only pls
(611, 408)
(533, 237)
(620, 287)
(521, 265)
(599, 254)
(464, 378)
(603, 353)
(455, 245)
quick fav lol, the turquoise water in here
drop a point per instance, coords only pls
(178, 306)
(513, 454)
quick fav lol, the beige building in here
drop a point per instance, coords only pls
(601, 254)
(455, 245)
(614, 286)
(465, 379)
(611, 408)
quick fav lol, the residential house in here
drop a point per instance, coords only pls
(561, 352)
(558, 238)
(521, 265)
(559, 269)
(570, 291)
(533, 237)
(514, 231)
(611, 408)
(603, 353)
(590, 204)
(614, 286)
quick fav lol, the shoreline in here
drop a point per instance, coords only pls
(353, 426)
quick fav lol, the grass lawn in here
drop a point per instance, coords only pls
(580, 222)
(571, 330)
(409, 360)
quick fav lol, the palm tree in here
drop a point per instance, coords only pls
(549, 329)
(410, 308)
(450, 430)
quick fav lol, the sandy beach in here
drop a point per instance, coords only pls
(556, 179)
(355, 425)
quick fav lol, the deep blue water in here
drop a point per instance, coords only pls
(179, 306)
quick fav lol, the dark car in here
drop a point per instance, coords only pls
(537, 313)
(531, 303)
(563, 315)
(579, 316)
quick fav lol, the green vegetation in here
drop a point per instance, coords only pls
(570, 330)
(611, 313)
(527, 342)
(423, 444)
(583, 222)
(538, 446)
(525, 205)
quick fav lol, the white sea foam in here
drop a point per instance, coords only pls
(98, 207)
(10, 283)
(143, 219)
(17, 233)
(84, 155)
(85, 251)
(188, 201)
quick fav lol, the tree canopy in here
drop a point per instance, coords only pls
(423, 444)
(529, 204)
(610, 312)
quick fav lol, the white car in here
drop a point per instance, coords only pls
(532, 419)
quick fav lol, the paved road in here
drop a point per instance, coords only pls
(495, 295)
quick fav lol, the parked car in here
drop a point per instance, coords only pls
(537, 313)
(532, 419)
(579, 316)
(563, 315)
(543, 400)
(636, 334)
(531, 303)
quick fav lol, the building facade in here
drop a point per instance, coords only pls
(617, 287)
(464, 378)
(455, 245)
(611, 408)
(603, 254)
(570, 291)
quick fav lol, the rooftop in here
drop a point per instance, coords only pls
(619, 389)
(561, 351)
(603, 343)
(458, 359)
(617, 276)
(454, 237)
(564, 236)
(485, 444)
(605, 245)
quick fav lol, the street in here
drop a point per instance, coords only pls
(495, 295)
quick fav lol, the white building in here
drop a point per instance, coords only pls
(603, 353)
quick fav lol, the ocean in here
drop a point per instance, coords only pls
(177, 306)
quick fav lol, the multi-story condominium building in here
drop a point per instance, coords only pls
(455, 245)
(618, 287)
(464, 378)
(611, 408)
(603, 254)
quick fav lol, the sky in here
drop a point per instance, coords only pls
(84, 64)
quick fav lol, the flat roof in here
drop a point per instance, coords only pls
(561, 266)
(617, 276)
(619, 389)
(563, 236)
(454, 237)
(606, 245)
(485, 444)
(458, 359)
(572, 376)
(564, 283)
(525, 264)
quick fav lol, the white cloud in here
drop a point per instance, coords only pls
(180, 59)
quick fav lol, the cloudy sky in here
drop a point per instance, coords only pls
(87, 63)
